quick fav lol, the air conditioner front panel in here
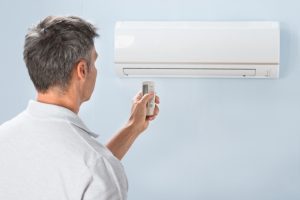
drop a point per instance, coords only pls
(197, 43)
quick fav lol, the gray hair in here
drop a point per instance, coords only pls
(54, 46)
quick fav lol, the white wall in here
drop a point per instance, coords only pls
(215, 138)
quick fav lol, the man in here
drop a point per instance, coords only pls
(47, 152)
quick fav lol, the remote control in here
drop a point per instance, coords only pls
(148, 86)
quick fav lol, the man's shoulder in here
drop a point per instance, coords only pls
(90, 142)
(52, 136)
(12, 123)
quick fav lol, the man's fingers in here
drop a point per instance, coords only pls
(138, 96)
(152, 117)
(156, 99)
(156, 110)
(147, 97)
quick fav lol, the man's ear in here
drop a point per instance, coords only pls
(81, 69)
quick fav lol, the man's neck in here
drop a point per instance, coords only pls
(59, 98)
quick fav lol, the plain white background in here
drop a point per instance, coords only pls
(228, 139)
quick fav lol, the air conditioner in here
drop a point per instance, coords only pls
(197, 49)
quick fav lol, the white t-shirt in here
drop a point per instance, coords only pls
(46, 152)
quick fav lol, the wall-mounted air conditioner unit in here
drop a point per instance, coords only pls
(197, 49)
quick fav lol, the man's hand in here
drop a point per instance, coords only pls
(138, 119)
(137, 123)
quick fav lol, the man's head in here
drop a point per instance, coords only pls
(56, 49)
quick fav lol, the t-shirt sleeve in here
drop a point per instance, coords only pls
(103, 184)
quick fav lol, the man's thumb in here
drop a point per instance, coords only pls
(147, 97)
